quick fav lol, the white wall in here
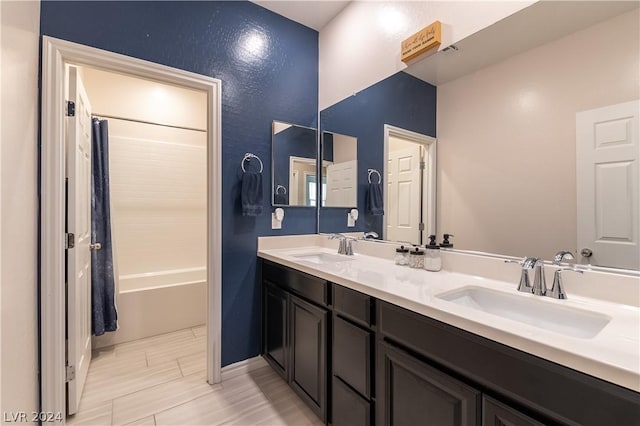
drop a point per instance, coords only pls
(361, 45)
(147, 100)
(18, 281)
(506, 138)
(345, 148)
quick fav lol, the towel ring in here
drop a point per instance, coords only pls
(284, 190)
(372, 171)
(249, 156)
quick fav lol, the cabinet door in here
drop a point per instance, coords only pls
(275, 328)
(495, 413)
(308, 341)
(410, 392)
(352, 355)
(348, 408)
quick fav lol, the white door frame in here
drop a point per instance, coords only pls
(304, 160)
(429, 144)
(55, 55)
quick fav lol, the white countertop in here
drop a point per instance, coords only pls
(612, 355)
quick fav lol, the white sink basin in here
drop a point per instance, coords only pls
(322, 258)
(529, 310)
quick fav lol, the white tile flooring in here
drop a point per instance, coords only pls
(161, 380)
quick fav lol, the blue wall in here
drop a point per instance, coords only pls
(280, 83)
(400, 100)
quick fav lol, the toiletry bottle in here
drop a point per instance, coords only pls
(416, 258)
(445, 242)
(402, 256)
(432, 258)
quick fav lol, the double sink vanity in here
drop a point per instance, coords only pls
(364, 341)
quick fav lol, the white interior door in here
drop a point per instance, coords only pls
(608, 184)
(402, 198)
(341, 184)
(293, 188)
(78, 224)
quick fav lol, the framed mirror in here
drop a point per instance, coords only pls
(510, 172)
(294, 165)
(339, 170)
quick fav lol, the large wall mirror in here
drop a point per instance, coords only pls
(537, 144)
(293, 172)
(339, 170)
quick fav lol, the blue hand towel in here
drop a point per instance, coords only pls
(375, 203)
(281, 199)
(251, 194)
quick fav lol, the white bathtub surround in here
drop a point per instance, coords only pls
(613, 354)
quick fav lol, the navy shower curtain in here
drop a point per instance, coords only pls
(103, 306)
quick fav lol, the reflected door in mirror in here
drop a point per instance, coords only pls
(339, 170)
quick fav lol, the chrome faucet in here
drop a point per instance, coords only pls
(562, 255)
(539, 282)
(557, 291)
(539, 286)
(527, 264)
(346, 243)
(370, 235)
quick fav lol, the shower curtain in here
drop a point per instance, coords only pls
(103, 306)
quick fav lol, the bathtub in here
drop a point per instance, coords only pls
(161, 279)
(156, 303)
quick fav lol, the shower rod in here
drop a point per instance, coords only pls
(146, 122)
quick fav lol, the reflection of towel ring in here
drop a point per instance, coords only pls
(249, 156)
(372, 171)
(283, 189)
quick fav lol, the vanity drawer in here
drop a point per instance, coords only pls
(353, 304)
(352, 355)
(309, 287)
(349, 408)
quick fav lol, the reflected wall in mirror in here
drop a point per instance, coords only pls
(402, 101)
(507, 174)
(339, 170)
(294, 162)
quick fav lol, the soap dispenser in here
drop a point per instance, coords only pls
(445, 242)
(432, 258)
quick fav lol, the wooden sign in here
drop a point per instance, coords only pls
(421, 42)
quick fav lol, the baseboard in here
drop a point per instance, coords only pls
(242, 367)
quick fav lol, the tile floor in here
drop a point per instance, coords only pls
(161, 380)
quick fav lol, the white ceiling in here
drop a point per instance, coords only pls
(314, 14)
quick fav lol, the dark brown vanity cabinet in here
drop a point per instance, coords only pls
(495, 413)
(353, 357)
(295, 332)
(414, 393)
(359, 361)
(308, 343)
(433, 364)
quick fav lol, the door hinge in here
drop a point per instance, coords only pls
(70, 373)
(421, 226)
(69, 241)
(423, 165)
(71, 109)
